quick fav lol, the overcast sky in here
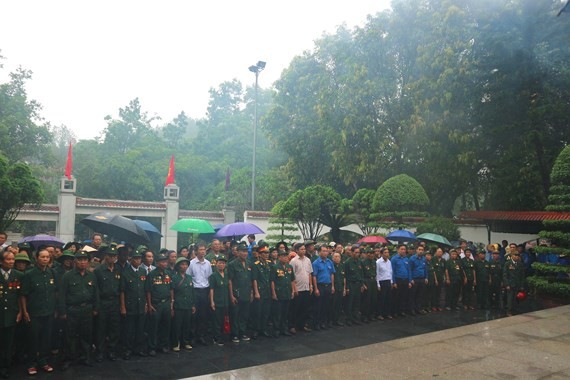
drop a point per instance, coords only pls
(91, 57)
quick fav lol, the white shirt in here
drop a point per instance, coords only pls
(302, 269)
(200, 272)
(462, 255)
(147, 269)
(4, 273)
(383, 270)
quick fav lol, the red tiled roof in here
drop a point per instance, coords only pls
(519, 216)
(200, 214)
(259, 214)
(49, 208)
(110, 203)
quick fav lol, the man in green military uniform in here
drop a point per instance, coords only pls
(219, 299)
(370, 294)
(454, 279)
(133, 305)
(513, 279)
(496, 273)
(438, 264)
(66, 262)
(353, 272)
(108, 280)
(482, 270)
(215, 253)
(241, 294)
(340, 289)
(10, 313)
(38, 303)
(160, 301)
(78, 302)
(468, 265)
(261, 306)
(430, 300)
(283, 289)
(184, 306)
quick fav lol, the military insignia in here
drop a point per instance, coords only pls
(51, 281)
(90, 283)
(143, 278)
(118, 276)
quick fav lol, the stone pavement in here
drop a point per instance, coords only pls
(534, 345)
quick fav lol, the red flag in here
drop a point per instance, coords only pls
(69, 164)
(170, 176)
(228, 179)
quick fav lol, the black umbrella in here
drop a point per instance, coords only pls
(116, 226)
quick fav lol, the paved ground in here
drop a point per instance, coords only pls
(535, 345)
(442, 343)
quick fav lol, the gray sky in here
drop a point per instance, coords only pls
(91, 57)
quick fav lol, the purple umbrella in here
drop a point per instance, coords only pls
(239, 228)
(38, 240)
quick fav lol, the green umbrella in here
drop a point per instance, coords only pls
(193, 226)
(434, 238)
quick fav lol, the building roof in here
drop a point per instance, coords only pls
(201, 214)
(515, 216)
(47, 208)
(258, 214)
(111, 203)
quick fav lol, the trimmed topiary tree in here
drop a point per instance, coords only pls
(553, 277)
(281, 227)
(441, 226)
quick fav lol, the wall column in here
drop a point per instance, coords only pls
(171, 197)
(66, 200)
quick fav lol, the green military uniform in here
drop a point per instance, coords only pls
(213, 259)
(513, 280)
(10, 289)
(281, 276)
(40, 290)
(132, 288)
(431, 299)
(183, 306)
(219, 286)
(496, 273)
(468, 266)
(353, 271)
(261, 308)
(239, 273)
(439, 271)
(339, 287)
(108, 281)
(455, 271)
(78, 299)
(370, 295)
(482, 270)
(158, 285)
(59, 324)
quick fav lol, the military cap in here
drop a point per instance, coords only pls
(161, 257)
(309, 242)
(25, 246)
(242, 246)
(142, 249)
(481, 252)
(378, 245)
(272, 248)
(298, 245)
(181, 260)
(282, 252)
(468, 249)
(110, 250)
(233, 243)
(67, 254)
(22, 257)
(282, 242)
(221, 258)
(136, 254)
(262, 244)
(81, 255)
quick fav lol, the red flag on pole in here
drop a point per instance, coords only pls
(170, 176)
(69, 164)
(228, 179)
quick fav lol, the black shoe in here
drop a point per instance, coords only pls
(218, 342)
(112, 357)
(152, 353)
(245, 338)
(99, 358)
(254, 335)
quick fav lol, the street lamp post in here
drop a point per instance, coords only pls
(256, 69)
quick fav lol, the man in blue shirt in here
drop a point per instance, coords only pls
(418, 269)
(250, 245)
(402, 280)
(323, 285)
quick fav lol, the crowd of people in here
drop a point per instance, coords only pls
(94, 302)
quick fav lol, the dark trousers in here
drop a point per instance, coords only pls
(482, 290)
(79, 332)
(400, 296)
(202, 311)
(337, 304)
(384, 298)
(218, 317)
(159, 329)
(452, 292)
(495, 293)
(434, 295)
(108, 321)
(239, 315)
(368, 299)
(7, 339)
(353, 300)
(417, 294)
(299, 309)
(322, 305)
(260, 310)
(181, 327)
(39, 341)
(135, 334)
(467, 294)
(280, 311)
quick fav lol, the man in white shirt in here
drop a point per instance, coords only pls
(299, 310)
(200, 269)
(147, 259)
(3, 238)
(384, 280)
